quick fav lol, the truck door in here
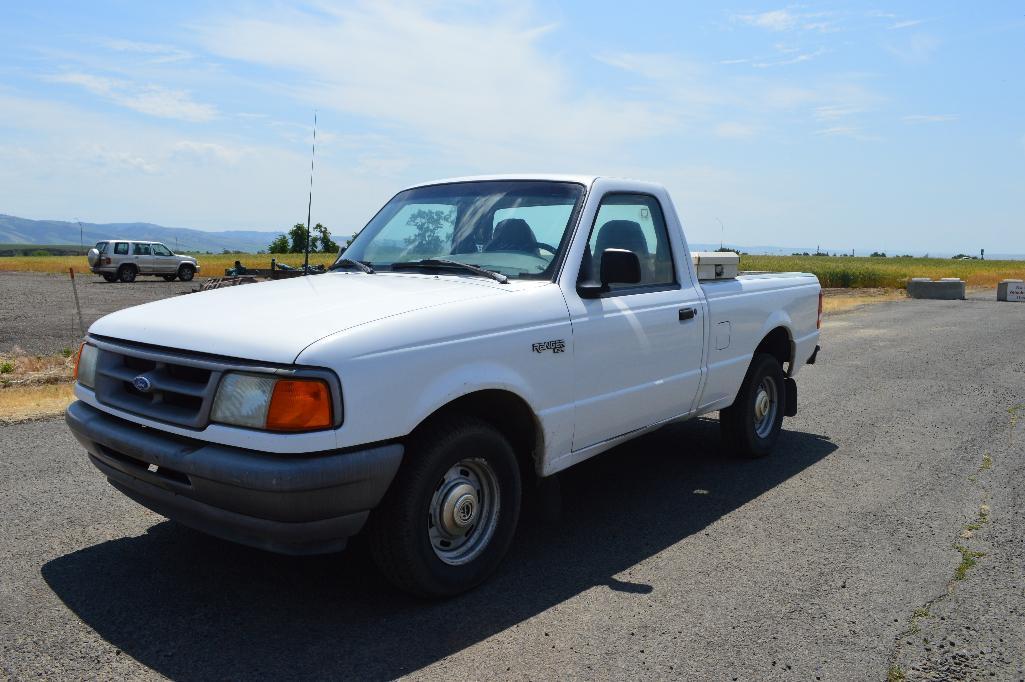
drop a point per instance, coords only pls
(638, 347)
(142, 257)
(164, 261)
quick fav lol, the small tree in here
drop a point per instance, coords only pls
(279, 245)
(297, 235)
(428, 224)
(327, 245)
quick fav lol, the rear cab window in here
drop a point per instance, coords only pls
(101, 247)
(121, 248)
(141, 250)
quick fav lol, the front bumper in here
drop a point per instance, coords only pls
(291, 504)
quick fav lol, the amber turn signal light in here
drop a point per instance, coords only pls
(299, 405)
(78, 359)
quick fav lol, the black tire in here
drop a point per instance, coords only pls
(402, 530)
(127, 273)
(186, 273)
(110, 278)
(743, 432)
(170, 278)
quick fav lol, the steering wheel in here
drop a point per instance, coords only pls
(547, 247)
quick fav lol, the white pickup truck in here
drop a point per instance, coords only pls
(477, 335)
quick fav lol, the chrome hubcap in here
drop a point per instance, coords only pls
(464, 511)
(766, 405)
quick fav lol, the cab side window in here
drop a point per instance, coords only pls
(160, 250)
(141, 250)
(121, 248)
(633, 222)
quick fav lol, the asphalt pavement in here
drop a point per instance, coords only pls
(833, 559)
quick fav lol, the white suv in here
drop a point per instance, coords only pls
(124, 260)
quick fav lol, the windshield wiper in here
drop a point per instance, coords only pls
(350, 263)
(445, 263)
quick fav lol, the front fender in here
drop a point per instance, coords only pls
(466, 379)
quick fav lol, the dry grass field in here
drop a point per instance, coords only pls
(34, 386)
(891, 273)
(210, 265)
(22, 403)
(832, 271)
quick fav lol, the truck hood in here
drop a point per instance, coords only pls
(275, 321)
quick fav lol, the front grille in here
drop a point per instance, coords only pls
(165, 386)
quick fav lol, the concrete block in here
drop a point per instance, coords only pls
(1011, 290)
(948, 289)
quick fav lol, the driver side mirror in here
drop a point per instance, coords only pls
(618, 266)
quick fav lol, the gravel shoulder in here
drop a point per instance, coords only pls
(37, 311)
(670, 559)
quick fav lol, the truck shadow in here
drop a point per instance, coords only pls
(193, 607)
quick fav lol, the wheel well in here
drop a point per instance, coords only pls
(509, 414)
(129, 266)
(190, 266)
(777, 344)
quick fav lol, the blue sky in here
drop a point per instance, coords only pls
(851, 125)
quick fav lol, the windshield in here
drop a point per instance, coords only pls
(516, 228)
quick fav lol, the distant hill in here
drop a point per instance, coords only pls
(14, 230)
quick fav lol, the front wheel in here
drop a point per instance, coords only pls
(451, 512)
(186, 273)
(751, 425)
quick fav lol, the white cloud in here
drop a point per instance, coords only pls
(796, 59)
(781, 20)
(930, 118)
(847, 131)
(896, 26)
(482, 91)
(154, 100)
(833, 112)
(208, 152)
(159, 53)
(775, 20)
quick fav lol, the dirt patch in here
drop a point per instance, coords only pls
(841, 300)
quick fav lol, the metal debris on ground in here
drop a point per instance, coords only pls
(221, 282)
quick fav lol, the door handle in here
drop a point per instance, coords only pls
(687, 314)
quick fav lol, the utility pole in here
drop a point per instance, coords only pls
(722, 233)
(81, 239)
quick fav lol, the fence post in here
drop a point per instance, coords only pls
(78, 306)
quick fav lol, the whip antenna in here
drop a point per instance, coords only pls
(309, 205)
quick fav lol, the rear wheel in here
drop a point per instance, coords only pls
(451, 512)
(751, 426)
(127, 273)
(186, 273)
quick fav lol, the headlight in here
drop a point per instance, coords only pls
(85, 365)
(263, 401)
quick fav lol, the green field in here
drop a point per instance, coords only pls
(832, 271)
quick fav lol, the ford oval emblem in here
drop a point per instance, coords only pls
(142, 384)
